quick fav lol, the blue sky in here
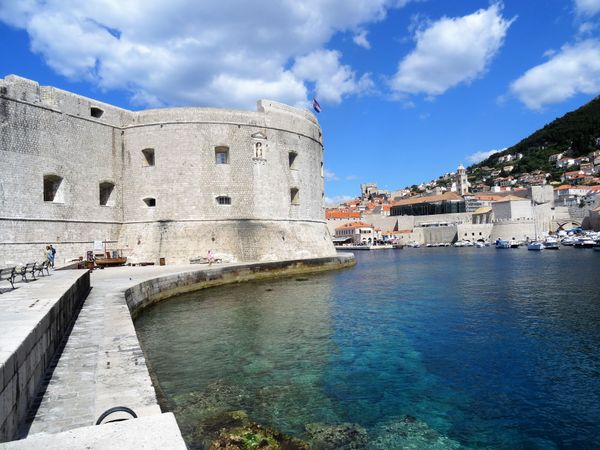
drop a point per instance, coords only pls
(408, 88)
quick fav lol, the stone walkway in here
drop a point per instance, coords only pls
(102, 364)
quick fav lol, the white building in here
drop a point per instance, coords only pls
(359, 233)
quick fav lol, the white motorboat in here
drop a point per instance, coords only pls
(551, 243)
(584, 242)
(568, 241)
(535, 245)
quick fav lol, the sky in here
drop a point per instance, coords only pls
(408, 88)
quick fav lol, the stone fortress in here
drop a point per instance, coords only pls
(167, 183)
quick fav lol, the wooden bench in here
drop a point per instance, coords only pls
(8, 273)
(24, 270)
(39, 268)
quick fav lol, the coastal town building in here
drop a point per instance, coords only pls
(168, 183)
(449, 202)
(357, 233)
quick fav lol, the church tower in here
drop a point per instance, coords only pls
(462, 185)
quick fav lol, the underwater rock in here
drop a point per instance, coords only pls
(216, 397)
(197, 407)
(346, 436)
(407, 432)
(237, 432)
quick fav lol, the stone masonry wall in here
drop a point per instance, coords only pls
(23, 366)
(46, 131)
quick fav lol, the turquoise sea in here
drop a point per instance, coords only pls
(418, 348)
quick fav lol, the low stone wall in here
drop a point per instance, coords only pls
(34, 322)
(156, 289)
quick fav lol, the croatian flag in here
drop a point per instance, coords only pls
(316, 105)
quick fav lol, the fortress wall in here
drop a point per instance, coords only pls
(261, 223)
(46, 131)
(36, 140)
(233, 241)
(435, 235)
(513, 230)
(474, 232)
(186, 179)
(465, 217)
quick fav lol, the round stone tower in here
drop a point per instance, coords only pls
(165, 183)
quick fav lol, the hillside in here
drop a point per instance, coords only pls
(575, 134)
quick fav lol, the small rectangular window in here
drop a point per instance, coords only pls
(222, 155)
(224, 200)
(294, 196)
(150, 202)
(148, 157)
(96, 112)
(106, 190)
(53, 189)
(292, 156)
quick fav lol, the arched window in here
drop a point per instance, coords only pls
(223, 200)
(222, 155)
(54, 189)
(106, 191)
(259, 150)
(148, 157)
(150, 202)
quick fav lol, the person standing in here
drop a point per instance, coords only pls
(53, 255)
(47, 253)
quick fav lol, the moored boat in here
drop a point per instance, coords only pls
(584, 243)
(551, 243)
(535, 245)
(501, 243)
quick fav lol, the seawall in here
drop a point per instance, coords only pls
(34, 321)
(154, 290)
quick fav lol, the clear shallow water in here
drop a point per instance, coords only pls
(490, 348)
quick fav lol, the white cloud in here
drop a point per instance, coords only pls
(451, 51)
(332, 79)
(360, 39)
(587, 7)
(210, 52)
(574, 69)
(337, 200)
(480, 156)
(330, 176)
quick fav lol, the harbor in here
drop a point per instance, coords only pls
(420, 348)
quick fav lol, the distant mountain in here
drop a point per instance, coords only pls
(574, 134)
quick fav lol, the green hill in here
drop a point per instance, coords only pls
(574, 134)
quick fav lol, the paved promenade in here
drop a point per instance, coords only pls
(102, 364)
